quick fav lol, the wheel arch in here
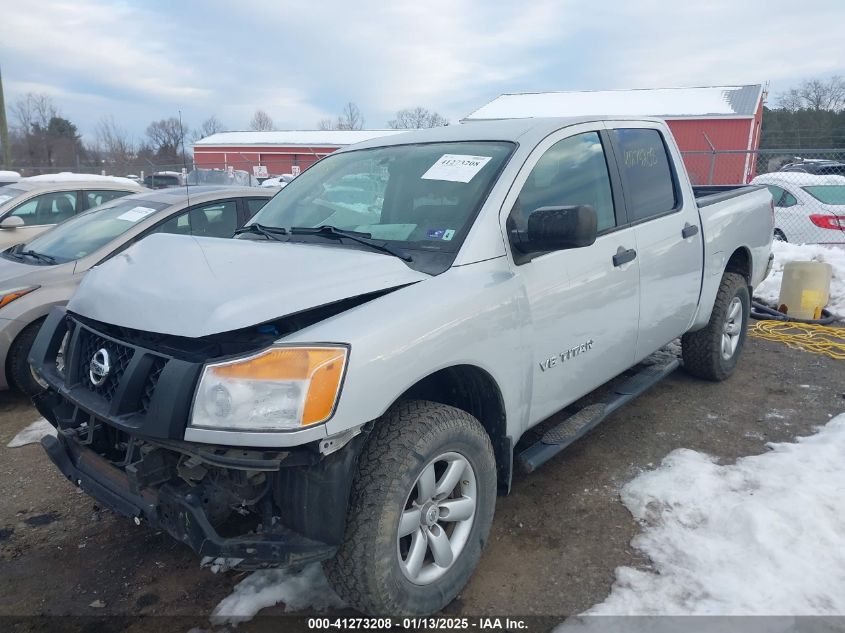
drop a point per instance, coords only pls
(740, 262)
(472, 389)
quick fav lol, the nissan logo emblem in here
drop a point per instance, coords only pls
(100, 367)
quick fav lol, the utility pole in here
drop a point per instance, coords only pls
(4, 129)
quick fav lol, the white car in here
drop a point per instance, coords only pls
(809, 209)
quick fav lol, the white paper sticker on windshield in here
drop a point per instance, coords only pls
(5, 198)
(135, 214)
(456, 167)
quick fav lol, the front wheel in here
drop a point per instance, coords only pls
(420, 511)
(712, 353)
(19, 371)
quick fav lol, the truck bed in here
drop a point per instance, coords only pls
(711, 194)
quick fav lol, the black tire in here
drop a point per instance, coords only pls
(780, 236)
(702, 349)
(366, 571)
(19, 372)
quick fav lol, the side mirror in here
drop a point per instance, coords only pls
(11, 222)
(558, 228)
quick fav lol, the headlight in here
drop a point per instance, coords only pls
(7, 296)
(281, 388)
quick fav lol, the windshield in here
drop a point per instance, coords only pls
(7, 193)
(827, 194)
(85, 233)
(423, 197)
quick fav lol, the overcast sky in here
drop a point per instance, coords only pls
(302, 60)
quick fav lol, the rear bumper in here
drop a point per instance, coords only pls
(178, 511)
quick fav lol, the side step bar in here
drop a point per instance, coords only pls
(577, 425)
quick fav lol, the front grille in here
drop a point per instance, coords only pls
(151, 382)
(132, 398)
(119, 358)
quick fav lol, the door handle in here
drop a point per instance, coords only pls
(689, 230)
(624, 256)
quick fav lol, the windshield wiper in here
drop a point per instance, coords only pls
(39, 256)
(334, 233)
(270, 232)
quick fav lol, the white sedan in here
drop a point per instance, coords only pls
(809, 209)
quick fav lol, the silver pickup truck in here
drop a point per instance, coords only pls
(351, 381)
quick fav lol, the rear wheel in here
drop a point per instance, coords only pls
(712, 353)
(420, 512)
(19, 372)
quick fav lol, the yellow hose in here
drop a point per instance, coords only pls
(817, 339)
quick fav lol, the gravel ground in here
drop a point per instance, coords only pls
(555, 543)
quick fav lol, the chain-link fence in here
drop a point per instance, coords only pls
(808, 187)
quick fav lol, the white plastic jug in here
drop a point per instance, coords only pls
(805, 289)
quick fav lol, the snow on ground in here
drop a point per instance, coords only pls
(66, 176)
(784, 252)
(763, 536)
(306, 589)
(32, 433)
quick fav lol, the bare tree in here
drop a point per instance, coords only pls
(34, 110)
(417, 118)
(350, 118)
(212, 125)
(326, 124)
(165, 138)
(114, 145)
(815, 94)
(261, 122)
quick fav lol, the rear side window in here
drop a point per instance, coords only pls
(254, 205)
(96, 198)
(646, 172)
(571, 172)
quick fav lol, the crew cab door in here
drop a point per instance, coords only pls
(583, 302)
(667, 228)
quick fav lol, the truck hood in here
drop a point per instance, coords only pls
(190, 286)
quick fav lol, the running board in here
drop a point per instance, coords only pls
(580, 423)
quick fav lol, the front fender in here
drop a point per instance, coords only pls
(470, 315)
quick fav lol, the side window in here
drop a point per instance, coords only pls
(777, 194)
(788, 200)
(48, 208)
(96, 198)
(571, 172)
(218, 219)
(646, 172)
(253, 205)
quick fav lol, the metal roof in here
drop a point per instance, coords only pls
(306, 138)
(670, 103)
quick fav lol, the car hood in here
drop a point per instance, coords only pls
(15, 274)
(189, 286)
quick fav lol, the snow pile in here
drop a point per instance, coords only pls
(769, 289)
(763, 536)
(32, 433)
(6, 175)
(304, 589)
(67, 176)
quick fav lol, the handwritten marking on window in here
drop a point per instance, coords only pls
(643, 157)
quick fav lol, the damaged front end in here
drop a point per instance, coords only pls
(121, 441)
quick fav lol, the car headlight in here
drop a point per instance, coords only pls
(279, 389)
(7, 296)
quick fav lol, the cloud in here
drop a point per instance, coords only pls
(302, 61)
(115, 46)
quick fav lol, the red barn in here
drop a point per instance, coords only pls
(706, 121)
(279, 151)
